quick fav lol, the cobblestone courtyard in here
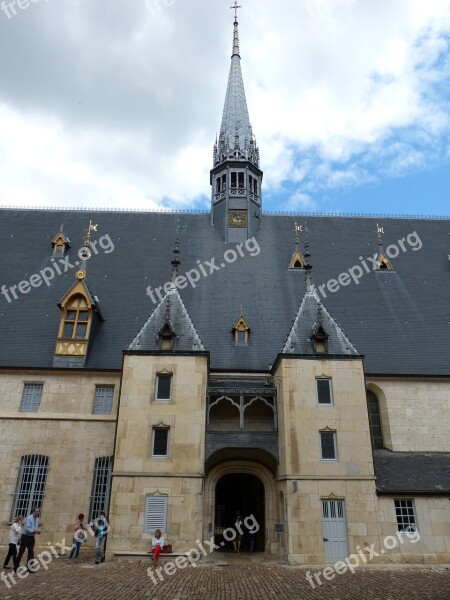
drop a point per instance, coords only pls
(67, 580)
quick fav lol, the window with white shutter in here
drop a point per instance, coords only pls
(31, 397)
(156, 514)
(103, 401)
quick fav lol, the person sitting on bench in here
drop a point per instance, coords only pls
(157, 545)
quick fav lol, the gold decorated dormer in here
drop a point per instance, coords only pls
(297, 260)
(78, 309)
(383, 263)
(241, 331)
(60, 244)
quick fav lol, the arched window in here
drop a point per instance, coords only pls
(376, 431)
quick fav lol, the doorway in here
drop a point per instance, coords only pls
(243, 493)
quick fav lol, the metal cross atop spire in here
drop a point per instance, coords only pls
(235, 7)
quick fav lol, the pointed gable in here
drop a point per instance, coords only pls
(174, 319)
(312, 318)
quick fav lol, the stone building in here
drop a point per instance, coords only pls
(174, 368)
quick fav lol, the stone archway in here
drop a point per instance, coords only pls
(242, 467)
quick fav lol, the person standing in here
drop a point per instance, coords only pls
(79, 536)
(101, 527)
(238, 539)
(15, 532)
(27, 541)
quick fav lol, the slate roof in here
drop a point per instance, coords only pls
(172, 311)
(310, 316)
(412, 472)
(398, 320)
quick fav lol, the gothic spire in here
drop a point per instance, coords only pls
(236, 140)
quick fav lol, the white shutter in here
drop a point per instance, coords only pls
(155, 513)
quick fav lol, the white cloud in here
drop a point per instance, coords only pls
(119, 105)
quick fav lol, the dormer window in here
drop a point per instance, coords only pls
(241, 332)
(76, 319)
(60, 244)
(166, 337)
(383, 263)
(297, 261)
(319, 340)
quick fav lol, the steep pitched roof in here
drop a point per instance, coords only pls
(310, 316)
(172, 312)
(398, 320)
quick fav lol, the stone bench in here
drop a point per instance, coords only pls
(139, 555)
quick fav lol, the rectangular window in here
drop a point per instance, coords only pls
(328, 445)
(233, 180)
(241, 178)
(156, 513)
(324, 391)
(30, 484)
(160, 442)
(405, 514)
(101, 485)
(103, 401)
(31, 397)
(163, 387)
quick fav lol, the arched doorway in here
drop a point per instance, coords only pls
(243, 493)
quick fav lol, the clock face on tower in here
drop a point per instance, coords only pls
(237, 218)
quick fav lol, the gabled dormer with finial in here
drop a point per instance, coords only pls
(236, 178)
(383, 263)
(169, 327)
(314, 331)
(80, 314)
(60, 243)
(297, 260)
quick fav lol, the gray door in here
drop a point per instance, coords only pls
(334, 530)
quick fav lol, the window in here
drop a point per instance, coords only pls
(324, 391)
(30, 484)
(76, 319)
(163, 387)
(328, 445)
(155, 513)
(376, 432)
(241, 332)
(101, 486)
(160, 442)
(405, 513)
(31, 397)
(103, 401)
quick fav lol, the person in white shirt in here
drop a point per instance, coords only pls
(157, 545)
(15, 532)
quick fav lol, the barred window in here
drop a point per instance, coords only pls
(160, 441)
(405, 514)
(31, 397)
(30, 487)
(324, 391)
(163, 387)
(101, 486)
(103, 401)
(156, 513)
(328, 445)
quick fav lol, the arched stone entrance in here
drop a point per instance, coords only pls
(244, 473)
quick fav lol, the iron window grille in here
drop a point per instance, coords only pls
(324, 391)
(31, 397)
(160, 441)
(103, 401)
(30, 487)
(163, 387)
(328, 445)
(101, 486)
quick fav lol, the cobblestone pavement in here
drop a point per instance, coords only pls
(70, 580)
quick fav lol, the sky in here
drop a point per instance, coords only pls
(117, 104)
